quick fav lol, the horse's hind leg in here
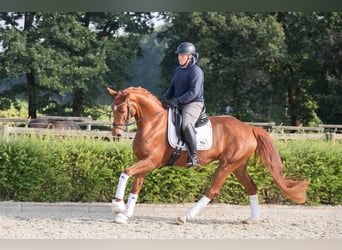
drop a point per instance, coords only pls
(246, 181)
(221, 175)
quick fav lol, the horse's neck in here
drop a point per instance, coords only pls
(146, 108)
(148, 115)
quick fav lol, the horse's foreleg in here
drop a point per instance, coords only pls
(138, 170)
(118, 204)
(251, 189)
(133, 196)
(123, 213)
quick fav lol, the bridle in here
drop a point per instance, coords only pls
(128, 117)
(127, 122)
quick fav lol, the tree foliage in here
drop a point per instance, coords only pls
(281, 66)
(68, 53)
(264, 66)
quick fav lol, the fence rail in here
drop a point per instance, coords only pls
(106, 135)
(81, 121)
(9, 126)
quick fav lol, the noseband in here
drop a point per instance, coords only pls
(129, 111)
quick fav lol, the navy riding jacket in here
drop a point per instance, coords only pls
(187, 84)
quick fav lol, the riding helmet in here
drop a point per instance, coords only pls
(186, 48)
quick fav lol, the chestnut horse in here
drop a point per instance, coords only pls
(233, 143)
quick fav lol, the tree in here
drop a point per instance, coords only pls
(145, 71)
(282, 66)
(81, 64)
(311, 71)
(329, 92)
(237, 53)
(68, 54)
(16, 60)
(55, 53)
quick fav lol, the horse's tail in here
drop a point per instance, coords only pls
(266, 150)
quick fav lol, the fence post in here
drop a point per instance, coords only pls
(89, 124)
(4, 131)
(333, 137)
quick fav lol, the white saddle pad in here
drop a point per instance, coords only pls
(203, 137)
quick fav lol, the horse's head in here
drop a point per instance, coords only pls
(122, 112)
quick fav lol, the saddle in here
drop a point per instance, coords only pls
(203, 133)
(177, 120)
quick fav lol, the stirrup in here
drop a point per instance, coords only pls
(192, 162)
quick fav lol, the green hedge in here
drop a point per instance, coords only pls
(53, 169)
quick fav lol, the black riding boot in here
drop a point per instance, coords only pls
(190, 137)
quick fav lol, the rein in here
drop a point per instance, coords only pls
(129, 111)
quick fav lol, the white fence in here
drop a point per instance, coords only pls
(10, 126)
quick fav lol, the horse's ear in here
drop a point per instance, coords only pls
(126, 95)
(112, 92)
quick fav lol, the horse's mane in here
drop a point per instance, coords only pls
(141, 90)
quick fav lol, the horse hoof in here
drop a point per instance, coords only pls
(121, 219)
(181, 220)
(249, 221)
(118, 207)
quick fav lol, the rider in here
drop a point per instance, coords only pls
(187, 87)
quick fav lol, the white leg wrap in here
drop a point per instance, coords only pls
(197, 207)
(118, 206)
(131, 201)
(120, 192)
(254, 204)
(121, 219)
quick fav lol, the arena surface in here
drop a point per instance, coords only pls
(21, 220)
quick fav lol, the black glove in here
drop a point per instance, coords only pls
(173, 104)
(168, 103)
(165, 102)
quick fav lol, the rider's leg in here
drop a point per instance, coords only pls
(190, 114)
(190, 136)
